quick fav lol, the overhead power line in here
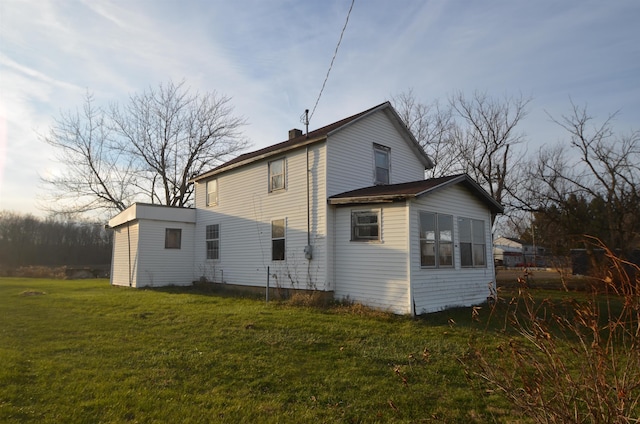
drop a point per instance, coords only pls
(332, 60)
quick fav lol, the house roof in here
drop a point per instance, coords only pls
(403, 191)
(510, 239)
(153, 212)
(319, 135)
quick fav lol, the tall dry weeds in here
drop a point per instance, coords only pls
(571, 361)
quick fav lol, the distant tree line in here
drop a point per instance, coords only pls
(27, 240)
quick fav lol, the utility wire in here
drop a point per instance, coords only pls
(332, 60)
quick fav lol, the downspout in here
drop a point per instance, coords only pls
(308, 202)
(308, 251)
(129, 255)
(412, 301)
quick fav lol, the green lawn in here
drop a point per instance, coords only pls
(83, 351)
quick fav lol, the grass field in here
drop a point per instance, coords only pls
(87, 352)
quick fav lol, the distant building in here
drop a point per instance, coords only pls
(513, 252)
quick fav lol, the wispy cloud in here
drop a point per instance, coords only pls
(272, 57)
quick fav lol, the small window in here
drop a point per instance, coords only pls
(278, 240)
(212, 192)
(277, 175)
(172, 238)
(213, 241)
(473, 248)
(436, 240)
(381, 164)
(365, 226)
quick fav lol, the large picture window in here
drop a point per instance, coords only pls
(382, 164)
(473, 248)
(436, 240)
(277, 174)
(172, 238)
(365, 226)
(213, 241)
(212, 192)
(278, 232)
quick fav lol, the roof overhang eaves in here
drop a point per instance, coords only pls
(413, 142)
(252, 159)
(455, 180)
(360, 200)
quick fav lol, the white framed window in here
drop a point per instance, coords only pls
(382, 164)
(436, 240)
(278, 236)
(212, 192)
(277, 174)
(172, 238)
(473, 248)
(365, 225)
(212, 238)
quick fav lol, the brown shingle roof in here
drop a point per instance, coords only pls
(402, 191)
(313, 137)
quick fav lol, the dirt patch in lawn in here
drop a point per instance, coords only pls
(32, 293)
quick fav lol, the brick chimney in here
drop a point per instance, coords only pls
(294, 133)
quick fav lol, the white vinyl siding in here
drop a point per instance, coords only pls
(350, 162)
(152, 264)
(125, 254)
(436, 289)
(374, 274)
(162, 267)
(246, 213)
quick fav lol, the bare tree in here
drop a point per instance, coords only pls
(487, 139)
(476, 135)
(433, 126)
(598, 165)
(145, 150)
(96, 174)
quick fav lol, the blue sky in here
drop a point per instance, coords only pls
(271, 57)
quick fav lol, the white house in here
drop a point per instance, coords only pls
(343, 209)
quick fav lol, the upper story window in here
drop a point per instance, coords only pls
(473, 244)
(436, 240)
(365, 225)
(277, 175)
(172, 238)
(212, 192)
(382, 164)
